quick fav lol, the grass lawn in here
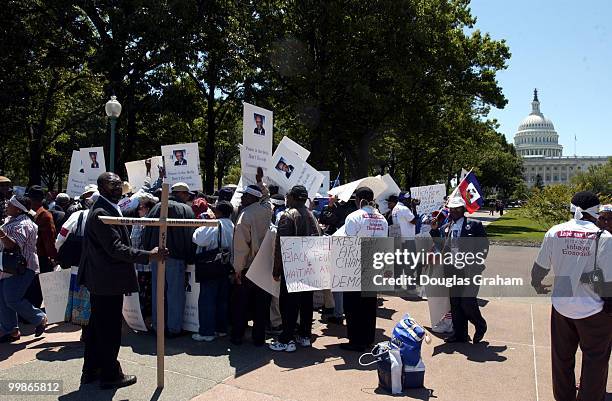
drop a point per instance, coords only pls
(514, 226)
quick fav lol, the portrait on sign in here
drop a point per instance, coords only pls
(259, 120)
(93, 156)
(179, 157)
(284, 167)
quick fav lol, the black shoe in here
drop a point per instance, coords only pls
(9, 338)
(123, 381)
(40, 329)
(454, 339)
(479, 334)
(89, 377)
(352, 347)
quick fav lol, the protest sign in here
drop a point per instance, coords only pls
(93, 163)
(55, 286)
(306, 263)
(257, 137)
(132, 312)
(137, 171)
(310, 178)
(285, 167)
(301, 151)
(260, 271)
(344, 192)
(182, 163)
(76, 177)
(191, 320)
(345, 261)
(324, 188)
(431, 197)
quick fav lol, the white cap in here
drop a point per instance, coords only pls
(90, 188)
(456, 201)
(180, 187)
(605, 208)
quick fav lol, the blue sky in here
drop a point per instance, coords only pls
(563, 48)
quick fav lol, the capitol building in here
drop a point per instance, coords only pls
(538, 143)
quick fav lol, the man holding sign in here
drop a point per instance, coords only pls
(107, 270)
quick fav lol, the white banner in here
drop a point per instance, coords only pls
(132, 312)
(260, 271)
(306, 263)
(344, 192)
(137, 171)
(76, 176)
(257, 124)
(431, 197)
(93, 163)
(191, 320)
(55, 287)
(182, 162)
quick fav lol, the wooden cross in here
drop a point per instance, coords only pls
(163, 223)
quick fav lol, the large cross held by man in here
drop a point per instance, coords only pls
(163, 223)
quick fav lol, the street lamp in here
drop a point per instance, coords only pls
(113, 110)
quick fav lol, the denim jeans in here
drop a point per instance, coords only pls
(212, 306)
(174, 300)
(13, 303)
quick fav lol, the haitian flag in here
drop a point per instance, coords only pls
(471, 193)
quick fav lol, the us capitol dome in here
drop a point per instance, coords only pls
(538, 143)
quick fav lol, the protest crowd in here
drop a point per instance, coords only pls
(107, 262)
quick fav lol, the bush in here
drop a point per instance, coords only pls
(550, 205)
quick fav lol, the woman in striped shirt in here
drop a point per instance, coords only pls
(19, 231)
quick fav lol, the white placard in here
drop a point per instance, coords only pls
(431, 197)
(191, 319)
(76, 177)
(306, 263)
(260, 271)
(344, 192)
(310, 178)
(55, 287)
(94, 163)
(137, 171)
(182, 162)
(345, 263)
(257, 124)
(301, 151)
(285, 167)
(132, 312)
(324, 188)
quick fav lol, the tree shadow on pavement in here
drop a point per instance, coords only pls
(482, 352)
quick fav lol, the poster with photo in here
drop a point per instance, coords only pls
(301, 151)
(285, 167)
(257, 137)
(191, 321)
(310, 178)
(93, 163)
(182, 163)
(76, 176)
(137, 171)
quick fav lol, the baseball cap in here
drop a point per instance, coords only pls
(62, 198)
(90, 188)
(180, 187)
(253, 190)
(298, 192)
(404, 195)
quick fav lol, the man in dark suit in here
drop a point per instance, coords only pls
(107, 270)
(94, 160)
(464, 235)
(259, 129)
(180, 158)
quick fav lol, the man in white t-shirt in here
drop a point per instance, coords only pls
(581, 313)
(360, 310)
(403, 217)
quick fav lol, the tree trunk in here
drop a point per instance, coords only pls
(35, 167)
(362, 167)
(210, 149)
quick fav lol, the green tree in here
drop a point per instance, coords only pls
(597, 179)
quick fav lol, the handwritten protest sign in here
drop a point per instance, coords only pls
(182, 163)
(132, 312)
(306, 263)
(310, 178)
(345, 258)
(76, 177)
(137, 171)
(257, 137)
(191, 320)
(55, 287)
(93, 163)
(431, 197)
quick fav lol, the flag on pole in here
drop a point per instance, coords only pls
(336, 182)
(472, 194)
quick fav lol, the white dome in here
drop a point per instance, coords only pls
(536, 121)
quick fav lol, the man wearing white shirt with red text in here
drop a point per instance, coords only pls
(581, 304)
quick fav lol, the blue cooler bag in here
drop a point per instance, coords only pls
(408, 336)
